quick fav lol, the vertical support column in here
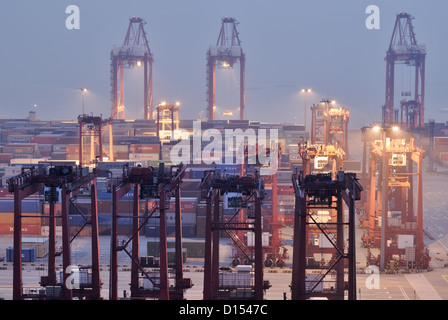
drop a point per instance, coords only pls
(371, 193)
(207, 293)
(80, 143)
(179, 253)
(410, 212)
(100, 141)
(211, 86)
(96, 277)
(121, 100)
(66, 253)
(92, 145)
(135, 241)
(275, 235)
(352, 246)
(340, 245)
(215, 250)
(114, 79)
(113, 286)
(164, 295)
(17, 271)
(299, 249)
(52, 246)
(419, 240)
(422, 93)
(150, 89)
(146, 115)
(111, 142)
(390, 76)
(258, 250)
(242, 81)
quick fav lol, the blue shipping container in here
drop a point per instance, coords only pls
(28, 254)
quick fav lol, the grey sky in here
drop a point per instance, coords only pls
(289, 44)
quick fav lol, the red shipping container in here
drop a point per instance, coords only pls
(8, 228)
(285, 189)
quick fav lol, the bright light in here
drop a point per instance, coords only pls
(163, 103)
(395, 128)
(333, 101)
(177, 103)
(305, 90)
(139, 63)
(376, 128)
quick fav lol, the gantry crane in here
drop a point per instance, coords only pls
(245, 192)
(93, 126)
(404, 48)
(329, 125)
(227, 51)
(134, 52)
(156, 185)
(319, 158)
(317, 193)
(390, 222)
(59, 182)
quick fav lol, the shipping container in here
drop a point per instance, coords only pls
(41, 245)
(27, 229)
(28, 254)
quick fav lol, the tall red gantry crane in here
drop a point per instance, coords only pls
(405, 49)
(227, 51)
(134, 52)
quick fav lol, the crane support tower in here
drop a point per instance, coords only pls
(329, 125)
(226, 52)
(393, 179)
(167, 120)
(155, 185)
(134, 52)
(245, 192)
(93, 126)
(320, 236)
(60, 183)
(403, 48)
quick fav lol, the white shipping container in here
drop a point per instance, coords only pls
(324, 242)
(265, 237)
(235, 279)
(405, 241)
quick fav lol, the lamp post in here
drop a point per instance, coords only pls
(305, 91)
(83, 90)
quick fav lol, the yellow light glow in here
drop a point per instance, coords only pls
(177, 103)
(376, 128)
(139, 63)
(395, 128)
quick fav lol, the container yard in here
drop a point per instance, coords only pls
(290, 181)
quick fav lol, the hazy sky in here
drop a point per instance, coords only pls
(289, 44)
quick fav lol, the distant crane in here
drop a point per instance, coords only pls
(227, 51)
(404, 48)
(134, 52)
